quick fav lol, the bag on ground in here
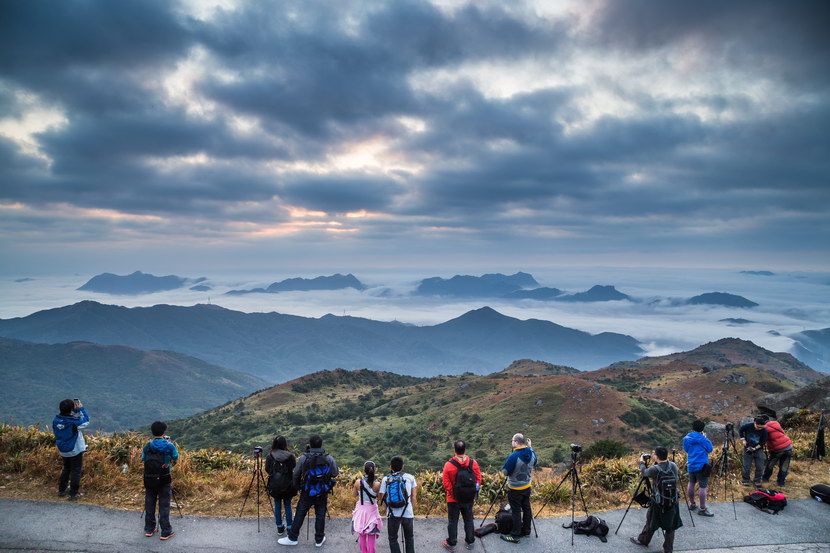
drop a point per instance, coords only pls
(504, 519)
(591, 526)
(820, 492)
(769, 501)
(482, 531)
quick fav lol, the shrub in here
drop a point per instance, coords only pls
(607, 448)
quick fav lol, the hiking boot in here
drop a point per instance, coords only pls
(692, 507)
(510, 538)
(320, 543)
(280, 530)
(635, 541)
(706, 513)
(164, 536)
(287, 541)
(448, 547)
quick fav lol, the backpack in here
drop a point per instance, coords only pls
(821, 493)
(504, 520)
(464, 489)
(317, 475)
(156, 473)
(396, 494)
(769, 501)
(279, 479)
(665, 489)
(591, 526)
(482, 531)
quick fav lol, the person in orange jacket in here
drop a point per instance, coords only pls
(780, 448)
(462, 480)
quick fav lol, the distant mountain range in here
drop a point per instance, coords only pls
(278, 347)
(136, 283)
(122, 387)
(813, 347)
(721, 298)
(333, 282)
(466, 286)
(596, 293)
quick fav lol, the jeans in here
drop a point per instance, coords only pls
(466, 511)
(757, 458)
(304, 504)
(645, 536)
(520, 508)
(782, 459)
(162, 496)
(279, 506)
(71, 474)
(408, 533)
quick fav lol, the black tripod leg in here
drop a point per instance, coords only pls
(247, 492)
(498, 493)
(581, 494)
(552, 494)
(176, 499)
(636, 491)
(686, 499)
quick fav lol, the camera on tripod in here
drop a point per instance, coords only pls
(730, 426)
(257, 450)
(576, 448)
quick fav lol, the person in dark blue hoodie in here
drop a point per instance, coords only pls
(518, 468)
(69, 439)
(698, 447)
(158, 456)
(754, 437)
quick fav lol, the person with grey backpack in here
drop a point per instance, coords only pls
(663, 510)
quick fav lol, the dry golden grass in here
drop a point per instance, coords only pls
(214, 482)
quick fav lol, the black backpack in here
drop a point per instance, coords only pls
(156, 473)
(464, 489)
(821, 493)
(279, 479)
(665, 489)
(317, 479)
(591, 526)
(504, 520)
(769, 501)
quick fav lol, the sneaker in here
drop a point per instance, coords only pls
(635, 541)
(448, 547)
(746, 483)
(287, 541)
(280, 530)
(320, 543)
(510, 538)
(469, 546)
(149, 533)
(164, 536)
(692, 507)
(62, 493)
(73, 498)
(706, 513)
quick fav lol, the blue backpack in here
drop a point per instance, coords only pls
(317, 472)
(396, 494)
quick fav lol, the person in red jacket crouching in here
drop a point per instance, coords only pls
(462, 480)
(780, 448)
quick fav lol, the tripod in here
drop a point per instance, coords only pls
(260, 482)
(721, 465)
(818, 451)
(642, 498)
(573, 474)
(495, 499)
(683, 490)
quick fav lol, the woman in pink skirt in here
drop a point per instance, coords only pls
(366, 520)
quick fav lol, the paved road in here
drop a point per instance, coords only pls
(803, 527)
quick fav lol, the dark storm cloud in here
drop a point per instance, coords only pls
(341, 194)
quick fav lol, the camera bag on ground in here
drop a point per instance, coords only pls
(591, 526)
(317, 475)
(156, 473)
(820, 492)
(504, 519)
(769, 501)
(279, 479)
(464, 490)
(482, 531)
(665, 489)
(396, 494)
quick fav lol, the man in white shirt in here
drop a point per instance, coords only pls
(399, 491)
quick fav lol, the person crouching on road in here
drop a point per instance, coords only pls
(366, 520)
(698, 447)
(158, 456)
(462, 479)
(780, 448)
(663, 511)
(69, 439)
(518, 468)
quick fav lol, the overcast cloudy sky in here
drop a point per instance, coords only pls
(339, 135)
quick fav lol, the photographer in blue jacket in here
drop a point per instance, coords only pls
(69, 439)
(698, 447)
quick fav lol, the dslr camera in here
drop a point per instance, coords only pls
(257, 450)
(646, 456)
(576, 448)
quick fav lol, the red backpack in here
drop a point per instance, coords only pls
(769, 501)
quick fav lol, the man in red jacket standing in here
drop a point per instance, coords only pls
(780, 452)
(462, 480)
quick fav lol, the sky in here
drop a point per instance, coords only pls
(188, 136)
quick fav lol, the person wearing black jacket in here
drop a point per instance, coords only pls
(754, 437)
(281, 458)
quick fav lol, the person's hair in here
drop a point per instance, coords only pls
(460, 447)
(279, 443)
(315, 441)
(519, 439)
(158, 428)
(66, 406)
(369, 471)
(661, 452)
(698, 426)
(396, 464)
(760, 421)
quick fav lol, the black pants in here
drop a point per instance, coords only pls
(520, 508)
(782, 459)
(305, 503)
(71, 473)
(393, 523)
(160, 495)
(645, 535)
(466, 511)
